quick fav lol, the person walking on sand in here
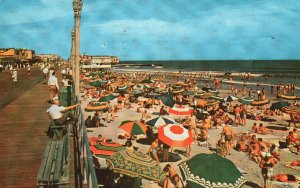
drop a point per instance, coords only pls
(237, 117)
(228, 135)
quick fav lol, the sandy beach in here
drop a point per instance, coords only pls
(249, 168)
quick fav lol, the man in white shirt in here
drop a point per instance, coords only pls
(1, 68)
(60, 114)
(45, 72)
(53, 84)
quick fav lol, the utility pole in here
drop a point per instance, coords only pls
(77, 7)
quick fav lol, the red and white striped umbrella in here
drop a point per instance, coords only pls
(180, 110)
(175, 135)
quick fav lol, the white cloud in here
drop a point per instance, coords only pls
(42, 11)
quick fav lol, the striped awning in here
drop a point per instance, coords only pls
(291, 109)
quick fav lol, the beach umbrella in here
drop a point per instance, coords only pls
(159, 121)
(180, 110)
(217, 98)
(122, 88)
(138, 86)
(96, 83)
(93, 74)
(177, 87)
(152, 95)
(107, 98)
(212, 102)
(105, 149)
(279, 105)
(178, 91)
(175, 135)
(133, 127)
(160, 86)
(246, 100)
(167, 100)
(103, 81)
(206, 89)
(135, 164)
(189, 92)
(211, 171)
(260, 102)
(230, 98)
(147, 81)
(201, 102)
(137, 92)
(206, 95)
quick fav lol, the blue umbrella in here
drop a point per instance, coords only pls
(230, 98)
(159, 121)
(167, 100)
(279, 105)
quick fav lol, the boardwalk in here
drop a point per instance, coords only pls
(23, 121)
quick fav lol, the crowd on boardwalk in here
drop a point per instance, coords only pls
(214, 121)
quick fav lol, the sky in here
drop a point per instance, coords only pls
(157, 29)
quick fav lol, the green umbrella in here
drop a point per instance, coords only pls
(135, 164)
(93, 74)
(167, 100)
(96, 83)
(217, 98)
(189, 92)
(211, 171)
(133, 127)
(107, 98)
(103, 81)
(137, 92)
(246, 100)
(279, 105)
(122, 88)
(146, 81)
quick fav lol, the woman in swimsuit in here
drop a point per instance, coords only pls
(153, 150)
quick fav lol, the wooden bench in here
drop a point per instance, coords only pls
(56, 131)
(53, 164)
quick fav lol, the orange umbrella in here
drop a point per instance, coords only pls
(133, 127)
(201, 103)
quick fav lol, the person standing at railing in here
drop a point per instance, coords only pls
(60, 114)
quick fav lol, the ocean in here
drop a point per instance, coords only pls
(267, 72)
(254, 66)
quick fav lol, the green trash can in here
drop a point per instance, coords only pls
(66, 96)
